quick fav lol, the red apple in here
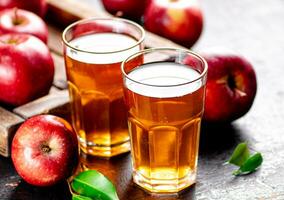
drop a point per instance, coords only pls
(45, 150)
(131, 9)
(178, 20)
(26, 69)
(21, 21)
(37, 6)
(231, 88)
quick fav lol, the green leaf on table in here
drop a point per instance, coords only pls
(93, 185)
(250, 165)
(240, 155)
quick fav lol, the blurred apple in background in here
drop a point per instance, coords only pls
(37, 6)
(20, 21)
(178, 20)
(231, 88)
(131, 9)
(45, 150)
(26, 69)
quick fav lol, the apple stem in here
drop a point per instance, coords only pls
(231, 82)
(16, 20)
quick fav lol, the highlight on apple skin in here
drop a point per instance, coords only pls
(45, 150)
(178, 20)
(231, 88)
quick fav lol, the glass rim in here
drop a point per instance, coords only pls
(146, 51)
(69, 27)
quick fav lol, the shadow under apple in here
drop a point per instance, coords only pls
(219, 138)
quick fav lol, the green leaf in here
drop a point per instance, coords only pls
(94, 185)
(240, 155)
(250, 164)
(237, 172)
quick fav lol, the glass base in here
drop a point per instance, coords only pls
(164, 186)
(105, 151)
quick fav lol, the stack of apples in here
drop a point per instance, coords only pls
(45, 147)
(231, 84)
(26, 65)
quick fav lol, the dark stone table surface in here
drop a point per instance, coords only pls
(254, 29)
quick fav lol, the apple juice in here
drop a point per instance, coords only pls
(95, 87)
(164, 125)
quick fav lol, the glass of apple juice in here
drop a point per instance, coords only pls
(164, 93)
(93, 51)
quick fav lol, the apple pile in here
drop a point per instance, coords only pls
(178, 20)
(26, 65)
(45, 150)
(21, 21)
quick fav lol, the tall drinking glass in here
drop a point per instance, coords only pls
(164, 93)
(94, 50)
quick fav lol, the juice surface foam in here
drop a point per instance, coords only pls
(163, 80)
(102, 44)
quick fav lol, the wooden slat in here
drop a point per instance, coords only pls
(43, 105)
(53, 90)
(68, 11)
(54, 40)
(9, 123)
(59, 76)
